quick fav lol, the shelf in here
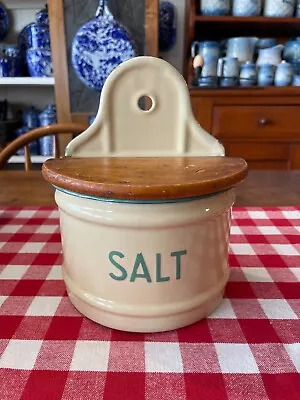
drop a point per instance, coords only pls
(34, 159)
(22, 4)
(27, 81)
(291, 91)
(248, 20)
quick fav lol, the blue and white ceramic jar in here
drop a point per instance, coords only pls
(266, 75)
(291, 52)
(39, 62)
(296, 80)
(246, 8)
(47, 117)
(38, 36)
(6, 66)
(42, 16)
(284, 74)
(167, 26)
(215, 7)
(31, 118)
(248, 74)
(279, 8)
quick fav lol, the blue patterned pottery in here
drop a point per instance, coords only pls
(265, 43)
(24, 38)
(4, 22)
(207, 48)
(34, 147)
(17, 60)
(31, 118)
(296, 80)
(39, 62)
(284, 74)
(99, 47)
(6, 66)
(291, 52)
(266, 75)
(47, 117)
(279, 8)
(42, 17)
(246, 8)
(167, 26)
(215, 7)
(248, 74)
(38, 36)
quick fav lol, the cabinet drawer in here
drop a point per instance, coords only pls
(258, 151)
(256, 121)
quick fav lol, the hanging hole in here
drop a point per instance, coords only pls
(145, 103)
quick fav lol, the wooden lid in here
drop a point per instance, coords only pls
(140, 179)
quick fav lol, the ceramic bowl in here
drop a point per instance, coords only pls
(39, 61)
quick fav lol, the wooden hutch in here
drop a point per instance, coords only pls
(262, 125)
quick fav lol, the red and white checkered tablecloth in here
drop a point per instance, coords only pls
(248, 349)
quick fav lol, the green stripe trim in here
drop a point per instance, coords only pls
(109, 200)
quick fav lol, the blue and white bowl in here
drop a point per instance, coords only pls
(39, 62)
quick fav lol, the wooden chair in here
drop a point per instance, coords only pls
(35, 134)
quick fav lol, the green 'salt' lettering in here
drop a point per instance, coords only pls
(123, 275)
(140, 261)
(178, 255)
(160, 278)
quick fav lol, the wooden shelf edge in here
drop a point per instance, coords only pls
(290, 91)
(260, 19)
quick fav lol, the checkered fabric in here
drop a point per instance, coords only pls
(248, 349)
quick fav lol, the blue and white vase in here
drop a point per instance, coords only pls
(31, 118)
(47, 117)
(279, 8)
(42, 17)
(167, 26)
(246, 8)
(215, 7)
(284, 74)
(39, 62)
(6, 66)
(38, 36)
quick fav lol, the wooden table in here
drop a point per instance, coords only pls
(261, 188)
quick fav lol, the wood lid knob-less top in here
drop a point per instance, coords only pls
(140, 179)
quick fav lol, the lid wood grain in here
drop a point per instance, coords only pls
(145, 178)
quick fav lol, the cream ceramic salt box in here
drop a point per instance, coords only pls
(145, 197)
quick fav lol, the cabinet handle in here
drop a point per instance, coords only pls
(264, 121)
